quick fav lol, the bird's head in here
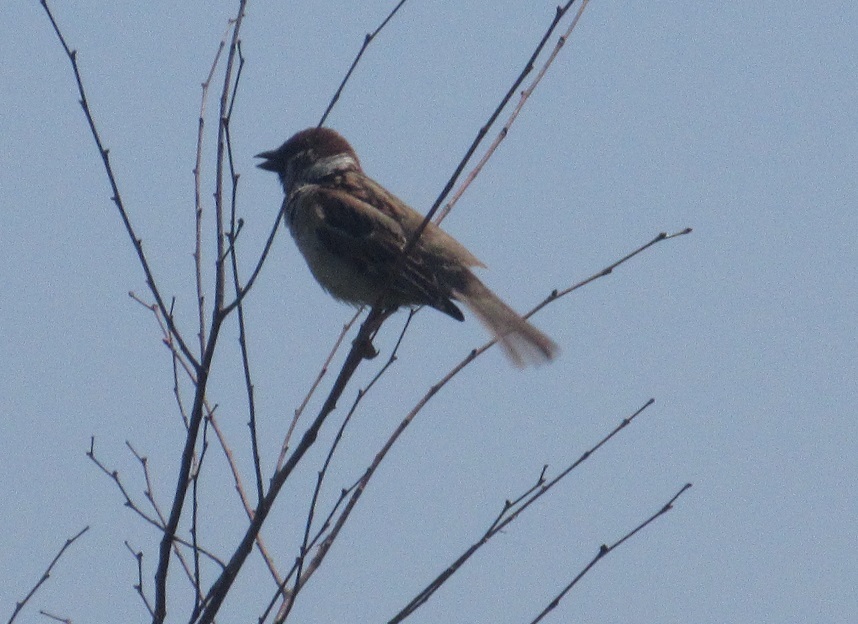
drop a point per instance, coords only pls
(310, 156)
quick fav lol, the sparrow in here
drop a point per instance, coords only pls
(352, 231)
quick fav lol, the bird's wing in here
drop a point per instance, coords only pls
(372, 241)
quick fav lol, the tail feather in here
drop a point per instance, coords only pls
(521, 341)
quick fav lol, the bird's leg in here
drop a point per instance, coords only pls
(368, 350)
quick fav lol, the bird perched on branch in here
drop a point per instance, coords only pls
(352, 233)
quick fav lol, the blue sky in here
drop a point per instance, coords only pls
(737, 120)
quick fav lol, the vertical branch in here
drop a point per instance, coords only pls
(235, 225)
(198, 203)
(218, 316)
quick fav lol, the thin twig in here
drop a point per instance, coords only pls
(195, 506)
(116, 197)
(284, 448)
(302, 576)
(525, 95)
(46, 574)
(233, 257)
(138, 587)
(242, 494)
(508, 514)
(56, 618)
(604, 550)
(176, 357)
(133, 506)
(198, 201)
(367, 40)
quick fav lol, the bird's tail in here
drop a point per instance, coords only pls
(521, 341)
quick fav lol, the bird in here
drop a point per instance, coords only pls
(352, 232)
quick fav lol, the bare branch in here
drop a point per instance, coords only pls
(242, 494)
(525, 95)
(198, 201)
(218, 316)
(322, 372)
(511, 510)
(604, 550)
(45, 575)
(367, 40)
(117, 198)
(138, 586)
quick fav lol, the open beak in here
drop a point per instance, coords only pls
(271, 162)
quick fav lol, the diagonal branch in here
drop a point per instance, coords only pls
(525, 95)
(511, 510)
(604, 550)
(46, 574)
(367, 40)
(117, 198)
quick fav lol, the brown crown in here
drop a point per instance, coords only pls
(312, 143)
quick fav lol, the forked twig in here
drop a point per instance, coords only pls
(46, 574)
(433, 390)
(138, 586)
(512, 509)
(525, 95)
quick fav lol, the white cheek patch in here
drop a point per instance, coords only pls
(332, 164)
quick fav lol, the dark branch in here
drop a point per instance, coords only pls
(45, 575)
(603, 551)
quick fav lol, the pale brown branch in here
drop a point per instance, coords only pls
(242, 494)
(284, 448)
(198, 201)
